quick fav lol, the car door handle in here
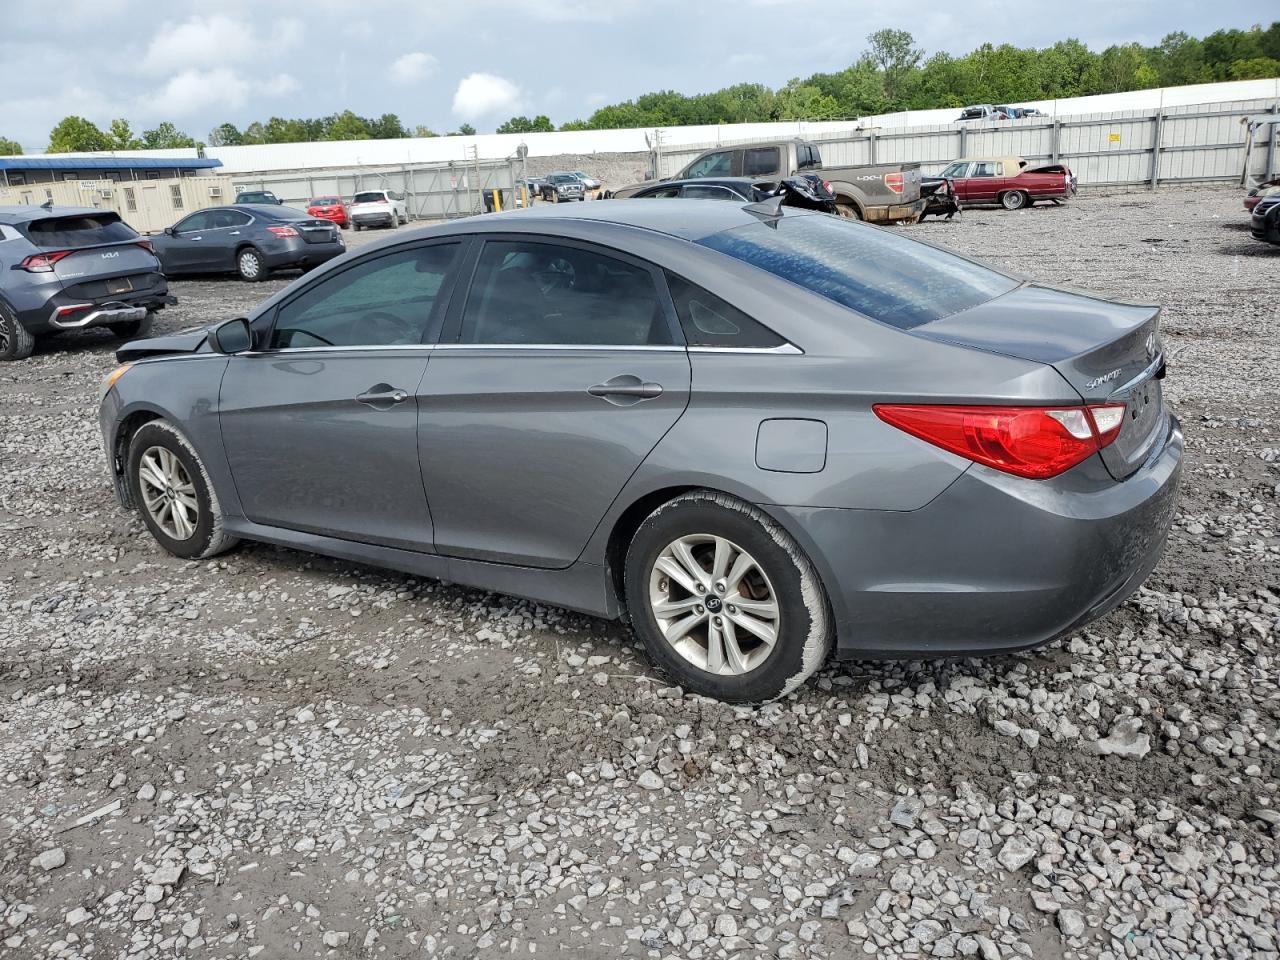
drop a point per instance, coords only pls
(626, 386)
(195, 238)
(235, 233)
(382, 395)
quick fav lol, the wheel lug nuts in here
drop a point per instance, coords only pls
(700, 609)
(719, 622)
(731, 608)
(701, 588)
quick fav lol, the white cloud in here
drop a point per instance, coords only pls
(219, 89)
(412, 67)
(217, 39)
(484, 94)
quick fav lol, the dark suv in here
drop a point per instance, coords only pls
(560, 187)
(69, 268)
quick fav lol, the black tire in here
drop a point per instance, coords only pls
(250, 265)
(848, 210)
(209, 537)
(1013, 200)
(16, 341)
(805, 633)
(134, 329)
(357, 228)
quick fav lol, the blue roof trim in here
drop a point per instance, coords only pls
(108, 163)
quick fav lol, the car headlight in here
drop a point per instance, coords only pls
(111, 378)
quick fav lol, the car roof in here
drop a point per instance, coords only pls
(26, 212)
(684, 219)
(1006, 158)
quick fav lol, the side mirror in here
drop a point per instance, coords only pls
(168, 231)
(234, 336)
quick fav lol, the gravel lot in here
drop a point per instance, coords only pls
(275, 754)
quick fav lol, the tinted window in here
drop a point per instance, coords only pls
(713, 165)
(665, 193)
(710, 322)
(546, 293)
(217, 219)
(197, 221)
(79, 231)
(385, 301)
(325, 202)
(807, 156)
(703, 192)
(760, 161)
(875, 272)
(371, 197)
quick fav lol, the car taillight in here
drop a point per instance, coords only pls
(43, 262)
(893, 181)
(826, 185)
(146, 245)
(282, 231)
(1033, 442)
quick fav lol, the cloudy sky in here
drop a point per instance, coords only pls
(481, 61)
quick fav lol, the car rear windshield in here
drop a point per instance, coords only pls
(369, 198)
(324, 202)
(79, 230)
(873, 271)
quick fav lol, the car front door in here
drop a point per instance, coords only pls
(957, 173)
(320, 421)
(561, 372)
(183, 248)
(983, 181)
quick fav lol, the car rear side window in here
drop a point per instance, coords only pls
(879, 274)
(710, 322)
(80, 230)
(698, 191)
(546, 293)
(760, 161)
(385, 301)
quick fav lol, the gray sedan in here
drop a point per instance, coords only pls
(756, 433)
(248, 239)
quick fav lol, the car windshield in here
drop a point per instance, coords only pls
(563, 178)
(879, 274)
(371, 197)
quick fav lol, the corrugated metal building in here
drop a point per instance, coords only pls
(51, 168)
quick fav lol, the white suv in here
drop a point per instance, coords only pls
(378, 207)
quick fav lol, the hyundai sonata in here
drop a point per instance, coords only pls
(757, 433)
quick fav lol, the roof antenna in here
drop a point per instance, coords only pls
(770, 211)
(47, 205)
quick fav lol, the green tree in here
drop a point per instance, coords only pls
(254, 133)
(575, 125)
(1255, 68)
(422, 130)
(387, 127)
(893, 53)
(802, 101)
(466, 130)
(166, 136)
(9, 148)
(77, 135)
(539, 124)
(347, 126)
(226, 135)
(122, 137)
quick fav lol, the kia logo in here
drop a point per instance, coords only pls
(113, 253)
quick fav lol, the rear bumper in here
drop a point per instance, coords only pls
(896, 211)
(994, 563)
(299, 253)
(379, 218)
(65, 311)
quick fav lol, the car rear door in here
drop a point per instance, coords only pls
(556, 376)
(983, 181)
(320, 421)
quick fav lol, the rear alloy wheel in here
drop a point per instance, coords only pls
(172, 492)
(724, 600)
(1013, 200)
(133, 329)
(848, 210)
(16, 341)
(250, 266)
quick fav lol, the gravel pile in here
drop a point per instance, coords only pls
(274, 754)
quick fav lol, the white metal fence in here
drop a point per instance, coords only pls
(431, 191)
(1178, 144)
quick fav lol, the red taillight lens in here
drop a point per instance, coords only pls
(282, 231)
(43, 262)
(1032, 442)
(146, 245)
(893, 181)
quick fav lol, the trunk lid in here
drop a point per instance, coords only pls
(1109, 352)
(91, 245)
(316, 231)
(105, 262)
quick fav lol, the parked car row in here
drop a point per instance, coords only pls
(986, 111)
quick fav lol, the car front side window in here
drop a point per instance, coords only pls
(544, 293)
(389, 300)
(760, 161)
(194, 223)
(713, 165)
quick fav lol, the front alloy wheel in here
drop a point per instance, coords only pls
(168, 493)
(250, 266)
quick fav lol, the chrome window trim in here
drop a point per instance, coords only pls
(783, 349)
(1150, 371)
(665, 348)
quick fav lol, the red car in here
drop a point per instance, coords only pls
(329, 208)
(1266, 188)
(1009, 181)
